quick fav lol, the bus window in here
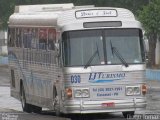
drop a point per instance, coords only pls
(34, 42)
(18, 37)
(9, 37)
(27, 38)
(42, 39)
(51, 39)
(12, 37)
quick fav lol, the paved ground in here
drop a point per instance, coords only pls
(153, 95)
(8, 103)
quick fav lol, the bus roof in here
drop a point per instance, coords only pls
(42, 8)
(40, 15)
(63, 14)
(95, 14)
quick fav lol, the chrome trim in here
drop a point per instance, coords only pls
(96, 107)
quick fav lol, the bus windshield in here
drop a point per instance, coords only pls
(105, 46)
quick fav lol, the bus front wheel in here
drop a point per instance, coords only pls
(36, 109)
(56, 102)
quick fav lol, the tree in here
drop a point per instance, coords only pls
(150, 18)
(6, 8)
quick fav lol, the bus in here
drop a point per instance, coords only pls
(77, 59)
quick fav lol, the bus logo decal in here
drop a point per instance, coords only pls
(105, 77)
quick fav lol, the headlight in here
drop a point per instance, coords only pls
(137, 91)
(133, 90)
(84, 93)
(77, 93)
(129, 91)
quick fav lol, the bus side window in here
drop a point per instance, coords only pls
(43, 38)
(27, 38)
(34, 42)
(51, 39)
(12, 37)
(18, 37)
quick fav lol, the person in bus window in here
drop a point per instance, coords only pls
(51, 39)
(43, 39)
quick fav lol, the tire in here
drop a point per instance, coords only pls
(36, 109)
(56, 103)
(128, 114)
(26, 107)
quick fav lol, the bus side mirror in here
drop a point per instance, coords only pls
(58, 37)
(57, 46)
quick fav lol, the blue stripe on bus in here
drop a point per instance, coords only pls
(103, 81)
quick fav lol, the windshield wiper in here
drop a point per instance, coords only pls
(92, 57)
(114, 50)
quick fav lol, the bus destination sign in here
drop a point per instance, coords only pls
(96, 13)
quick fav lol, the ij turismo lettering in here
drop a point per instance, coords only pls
(94, 76)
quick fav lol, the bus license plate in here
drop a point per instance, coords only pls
(110, 104)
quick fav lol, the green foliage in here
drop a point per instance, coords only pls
(7, 7)
(150, 17)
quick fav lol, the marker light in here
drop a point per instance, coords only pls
(133, 90)
(144, 89)
(69, 92)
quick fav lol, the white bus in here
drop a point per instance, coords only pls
(82, 59)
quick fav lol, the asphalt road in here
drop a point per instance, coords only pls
(10, 108)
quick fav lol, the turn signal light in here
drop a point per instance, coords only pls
(69, 92)
(144, 89)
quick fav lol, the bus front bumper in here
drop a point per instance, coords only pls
(98, 106)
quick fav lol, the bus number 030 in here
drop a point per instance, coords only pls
(75, 79)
